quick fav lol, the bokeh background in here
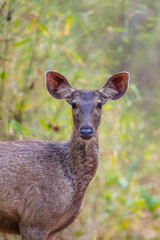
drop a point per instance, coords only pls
(87, 41)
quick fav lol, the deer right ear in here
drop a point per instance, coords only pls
(116, 86)
(57, 85)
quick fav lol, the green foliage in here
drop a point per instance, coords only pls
(88, 41)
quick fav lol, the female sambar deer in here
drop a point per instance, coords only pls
(42, 184)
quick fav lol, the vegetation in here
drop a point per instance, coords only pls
(88, 41)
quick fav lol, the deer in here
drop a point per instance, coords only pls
(42, 184)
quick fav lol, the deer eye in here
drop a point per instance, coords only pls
(99, 105)
(74, 105)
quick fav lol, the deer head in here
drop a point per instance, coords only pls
(86, 104)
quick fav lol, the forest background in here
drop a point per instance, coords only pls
(87, 42)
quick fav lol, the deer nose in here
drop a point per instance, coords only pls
(86, 133)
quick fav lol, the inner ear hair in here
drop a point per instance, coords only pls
(57, 85)
(116, 86)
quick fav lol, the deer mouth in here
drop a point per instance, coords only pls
(86, 133)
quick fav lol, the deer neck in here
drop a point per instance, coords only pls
(83, 159)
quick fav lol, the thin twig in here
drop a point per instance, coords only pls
(31, 61)
(3, 76)
(34, 43)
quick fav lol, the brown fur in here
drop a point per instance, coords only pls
(42, 184)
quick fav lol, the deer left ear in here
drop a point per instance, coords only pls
(58, 86)
(116, 86)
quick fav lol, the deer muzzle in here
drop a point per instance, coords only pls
(86, 133)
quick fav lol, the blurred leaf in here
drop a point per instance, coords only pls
(44, 125)
(152, 202)
(22, 42)
(113, 159)
(26, 107)
(107, 107)
(77, 234)
(77, 58)
(116, 29)
(74, 57)
(68, 25)
(125, 224)
(156, 216)
(111, 178)
(44, 30)
(135, 90)
(16, 126)
(138, 203)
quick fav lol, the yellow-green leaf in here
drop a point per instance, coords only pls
(68, 24)
(44, 30)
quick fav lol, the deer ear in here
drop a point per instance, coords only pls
(116, 86)
(57, 85)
